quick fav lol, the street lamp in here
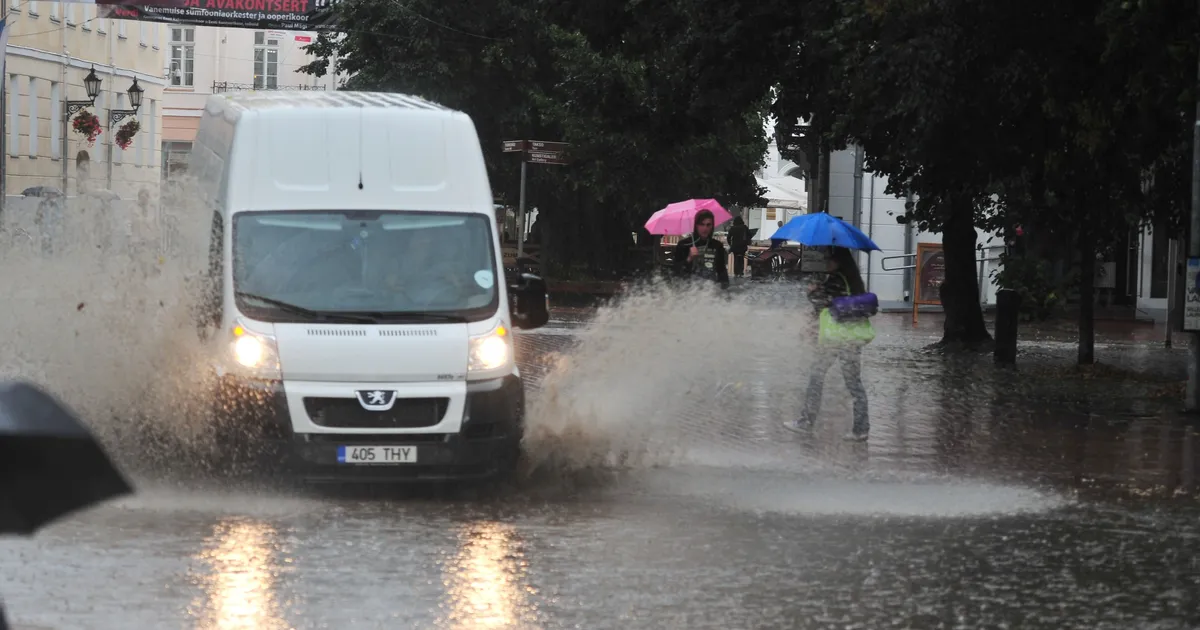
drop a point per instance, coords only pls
(135, 101)
(135, 95)
(91, 83)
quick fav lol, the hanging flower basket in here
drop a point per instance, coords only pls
(87, 125)
(126, 133)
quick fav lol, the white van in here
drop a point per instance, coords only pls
(356, 286)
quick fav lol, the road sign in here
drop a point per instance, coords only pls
(1191, 292)
(515, 146)
(546, 157)
(550, 147)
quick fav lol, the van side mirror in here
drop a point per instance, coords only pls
(528, 302)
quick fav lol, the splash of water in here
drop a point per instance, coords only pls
(98, 309)
(672, 374)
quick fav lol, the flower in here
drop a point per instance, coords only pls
(126, 133)
(88, 125)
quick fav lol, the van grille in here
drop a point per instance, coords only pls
(347, 413)
(336, 332)
(408, 332)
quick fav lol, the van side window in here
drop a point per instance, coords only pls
(214, 283)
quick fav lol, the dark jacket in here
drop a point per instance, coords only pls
(711, 263)
(834, 286)
(739, 238)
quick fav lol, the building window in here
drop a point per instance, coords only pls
(89, 14)
(152, 140)
(14, 116)
(147, 123)
(33, 8)
(183, 56)
(33, 117)
(175, 158)
(54, 11)
(121, 29)
(56, 113)
(266, 61)
(69, 8)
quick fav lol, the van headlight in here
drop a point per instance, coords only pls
(491, 351)
(254, 353)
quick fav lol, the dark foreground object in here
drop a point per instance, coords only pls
(1008, 306)
(50, 464)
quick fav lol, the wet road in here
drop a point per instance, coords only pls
(1038, 499)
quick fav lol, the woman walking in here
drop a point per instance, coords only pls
(840, 342)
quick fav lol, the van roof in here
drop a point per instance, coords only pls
(236, 102)
(359, 150)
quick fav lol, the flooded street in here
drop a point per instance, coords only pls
(983, 500)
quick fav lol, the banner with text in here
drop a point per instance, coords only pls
(287, 15)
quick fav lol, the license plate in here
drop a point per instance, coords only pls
(377, 455)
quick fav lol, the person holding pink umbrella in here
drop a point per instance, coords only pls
(700, 255)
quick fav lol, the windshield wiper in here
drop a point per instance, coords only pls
(383, 317)
(294, 309)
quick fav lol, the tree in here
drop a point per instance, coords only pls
(627, 84)
(995, 115)
(1111, 87)
(927, 89)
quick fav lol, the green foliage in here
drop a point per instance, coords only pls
(1032, 279)
(641, 91)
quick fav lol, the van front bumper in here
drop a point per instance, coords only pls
(486, 445)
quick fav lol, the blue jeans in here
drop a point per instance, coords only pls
(850, 359)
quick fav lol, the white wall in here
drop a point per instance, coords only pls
(226, 56)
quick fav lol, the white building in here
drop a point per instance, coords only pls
(205, 60)
(1153, 255)
(52, 46)
(786, 194)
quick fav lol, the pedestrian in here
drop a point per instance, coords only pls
(839, 342)
(701, 255)
(777, 243)
(739, 242)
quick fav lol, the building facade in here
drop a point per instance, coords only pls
(51, 48)
(203, 60)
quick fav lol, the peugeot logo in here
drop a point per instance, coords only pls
(376, 399)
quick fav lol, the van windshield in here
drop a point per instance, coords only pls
(374, 265)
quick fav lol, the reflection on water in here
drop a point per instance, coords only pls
(239, 578)
(485, 581)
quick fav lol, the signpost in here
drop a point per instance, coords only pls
(928, 276)
(1191, 301)
(536, 152)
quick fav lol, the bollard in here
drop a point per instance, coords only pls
(1008, 304)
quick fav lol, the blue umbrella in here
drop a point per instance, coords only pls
(820, 229)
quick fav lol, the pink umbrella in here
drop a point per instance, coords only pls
(679, 218)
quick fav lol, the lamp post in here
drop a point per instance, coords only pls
(135, 101)
(91, 83)
(117, 115)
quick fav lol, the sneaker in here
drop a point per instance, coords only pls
(856, 437)
(799, 426)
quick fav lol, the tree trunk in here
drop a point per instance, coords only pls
(964, 327)
(1087, 287)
